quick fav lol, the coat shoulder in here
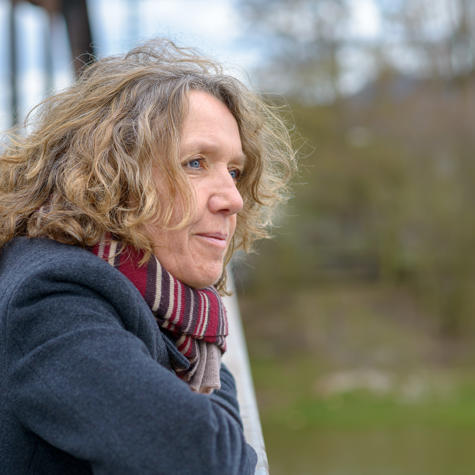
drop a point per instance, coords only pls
(32, 269)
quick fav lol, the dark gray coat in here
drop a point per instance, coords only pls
(85, 377)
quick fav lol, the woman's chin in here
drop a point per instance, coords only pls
(200, 280)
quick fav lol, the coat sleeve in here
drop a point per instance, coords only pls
(89, 387)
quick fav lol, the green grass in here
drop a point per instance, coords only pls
(288, 399)
(354, 381)
(359, 432)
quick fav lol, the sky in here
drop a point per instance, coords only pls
(213, 26)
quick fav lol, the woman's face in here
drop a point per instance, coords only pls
(212, 157)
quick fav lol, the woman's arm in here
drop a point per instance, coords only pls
(87, 385)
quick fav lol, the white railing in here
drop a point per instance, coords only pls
(238, 362)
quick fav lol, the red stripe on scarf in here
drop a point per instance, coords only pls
(206, 313)
(128, 266)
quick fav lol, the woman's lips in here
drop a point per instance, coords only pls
(215, 239)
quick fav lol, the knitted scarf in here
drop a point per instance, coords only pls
(195, 319)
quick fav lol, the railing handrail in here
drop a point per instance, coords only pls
(236, 358)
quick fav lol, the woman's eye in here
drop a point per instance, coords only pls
(195, 163)
(235, 174)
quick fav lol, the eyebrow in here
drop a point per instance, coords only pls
(209, 147)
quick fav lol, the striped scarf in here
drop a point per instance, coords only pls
(195, 319)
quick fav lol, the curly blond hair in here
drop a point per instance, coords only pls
(86, 166)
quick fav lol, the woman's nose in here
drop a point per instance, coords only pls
(225, 197)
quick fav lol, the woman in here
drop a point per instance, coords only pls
(118, 213)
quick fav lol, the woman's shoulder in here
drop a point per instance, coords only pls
(58, 282)
(24, 253)
(32, 269)
(45, 259)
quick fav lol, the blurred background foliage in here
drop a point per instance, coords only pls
(386, 184)
(359, 313)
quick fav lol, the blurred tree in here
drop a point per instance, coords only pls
(440, 35)
(304, 40)
(389, 182)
